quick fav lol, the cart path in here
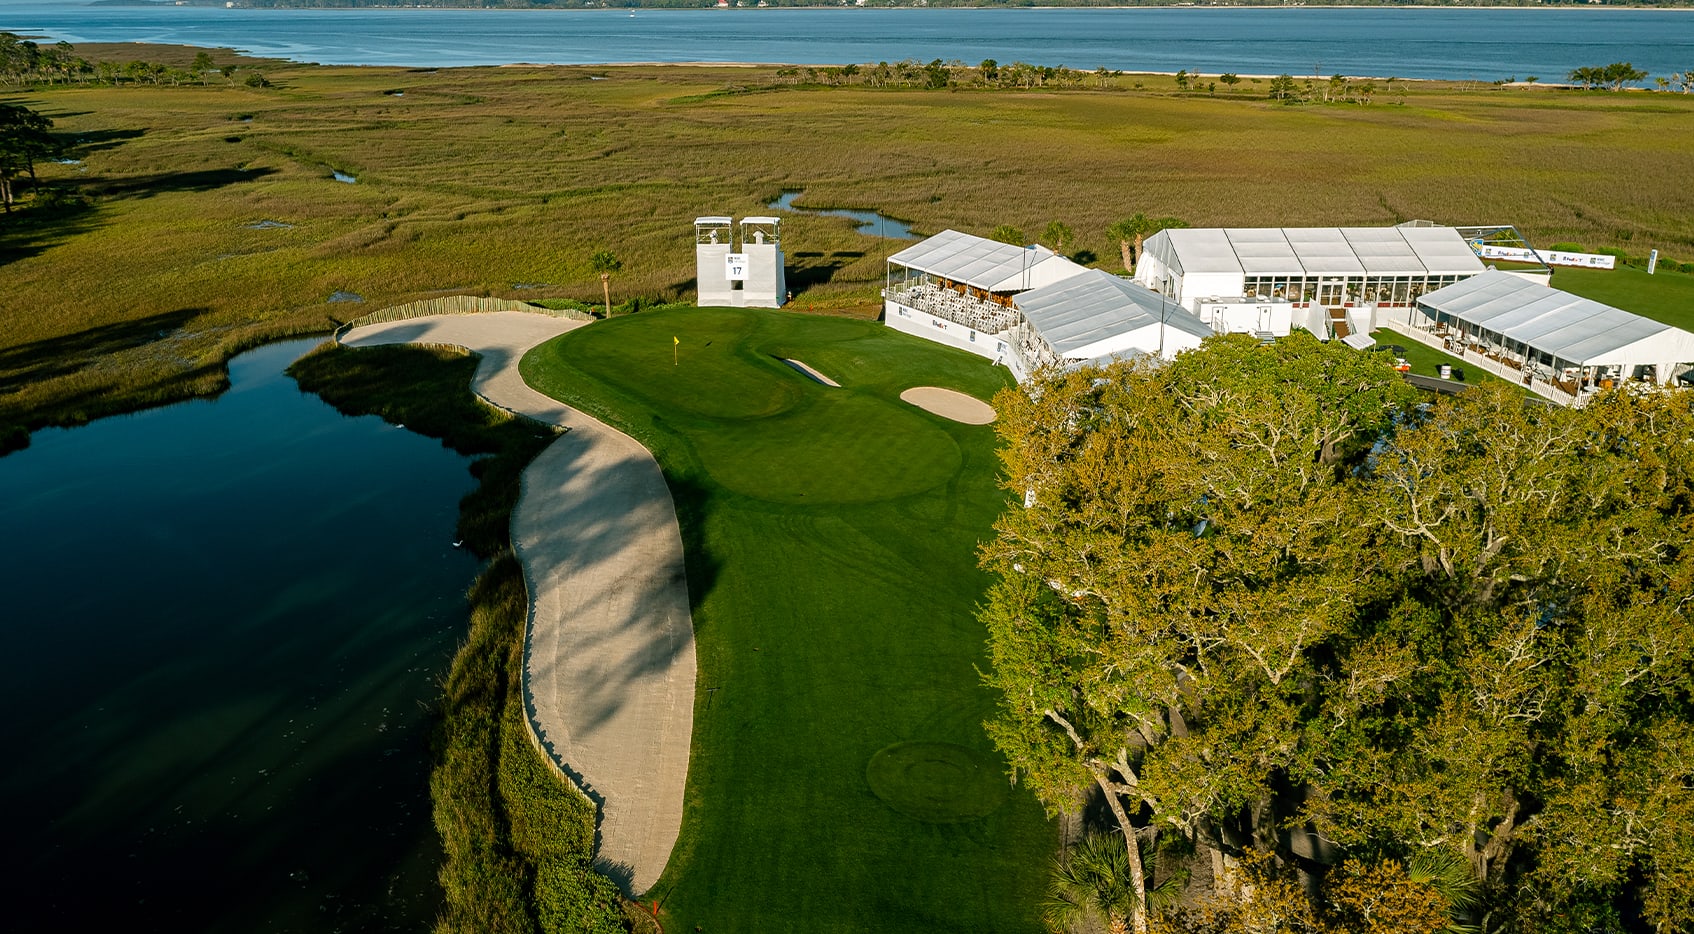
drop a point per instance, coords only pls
(609, 652)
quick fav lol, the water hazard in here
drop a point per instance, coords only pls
(869, 222)
(227, 621)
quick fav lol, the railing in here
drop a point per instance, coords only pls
(456, 305)
(1511, 371)
(949, 305)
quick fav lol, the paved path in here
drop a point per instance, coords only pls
(609, 656)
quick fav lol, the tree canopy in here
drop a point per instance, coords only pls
(1264, 599)
(25, 138)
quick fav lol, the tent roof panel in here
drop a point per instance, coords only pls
(961, 257)
(1095, 306)
(1323, 251)
(1557, 323)
(1442, 251)
(1204, 250)
(1262, 251)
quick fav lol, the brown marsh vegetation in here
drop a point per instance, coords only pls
(504, 181)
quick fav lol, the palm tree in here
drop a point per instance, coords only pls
(1131, 232)
(605, 262)
(1093, 880)
(1006, 233)
(1059, 236)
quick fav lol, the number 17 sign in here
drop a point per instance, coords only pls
(735, 266)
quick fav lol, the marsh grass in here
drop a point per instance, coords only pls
(517, 838)
(504, 181)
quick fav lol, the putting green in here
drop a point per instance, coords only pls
(757, 425)
(831, 538)
(939, 783)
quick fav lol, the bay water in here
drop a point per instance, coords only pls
(1460, 44)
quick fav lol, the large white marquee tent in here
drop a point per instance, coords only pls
(1332, 267)
(1573, 342)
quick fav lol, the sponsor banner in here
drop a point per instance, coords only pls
(1550, 257)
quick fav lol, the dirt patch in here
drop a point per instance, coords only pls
(950, 404)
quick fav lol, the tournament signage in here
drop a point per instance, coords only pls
(1550, 257)
(735, 267)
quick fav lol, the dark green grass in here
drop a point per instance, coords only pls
(1426, 361)
(1665, 296)
(831, 541)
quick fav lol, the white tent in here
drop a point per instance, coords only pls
(986, 264)
(1539, 324)
(1333, 266)
(1096, 316)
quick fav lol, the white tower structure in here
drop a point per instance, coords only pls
(713, 243)
(761, 242)
(750, 278)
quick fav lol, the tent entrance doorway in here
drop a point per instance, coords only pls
(1330, 293)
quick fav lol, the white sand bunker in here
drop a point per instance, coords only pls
(814, 374)
(949, 404)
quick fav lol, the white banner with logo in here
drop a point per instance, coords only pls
(1550, 257)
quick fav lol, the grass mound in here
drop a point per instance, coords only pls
(831, 538)
(937, 782)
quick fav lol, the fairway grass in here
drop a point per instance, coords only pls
(832, 539)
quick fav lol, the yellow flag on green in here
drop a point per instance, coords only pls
(675, 339)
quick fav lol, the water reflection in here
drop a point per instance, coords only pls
(228, 620)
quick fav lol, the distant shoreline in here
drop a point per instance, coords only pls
(631, 5)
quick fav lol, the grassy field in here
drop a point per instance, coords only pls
(503, 181)
(841, 779)
(1667, 296)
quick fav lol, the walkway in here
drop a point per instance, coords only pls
(609, 656)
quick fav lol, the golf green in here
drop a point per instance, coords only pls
(840, 778)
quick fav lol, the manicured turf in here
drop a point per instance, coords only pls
(832, 537)
(1426, 361)
(1664, 296)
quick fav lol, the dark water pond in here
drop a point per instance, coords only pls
(226, 621)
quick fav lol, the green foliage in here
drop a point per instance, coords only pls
(1058, 237)
(829, 534)
(25, 139)
(1006, 233)
(604, 261)
(1456, 628)
(1612, 77)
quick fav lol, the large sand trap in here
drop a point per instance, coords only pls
(609, 655)
(949, 404)
(814, 374)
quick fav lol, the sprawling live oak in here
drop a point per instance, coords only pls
(1262, 599)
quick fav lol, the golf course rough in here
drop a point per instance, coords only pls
(840, 778)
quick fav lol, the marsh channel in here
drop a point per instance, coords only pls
(228, 621)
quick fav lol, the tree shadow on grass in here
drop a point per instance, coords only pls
(146, 186)
(93, 141)
(37, 228)
(23, 364)
(809, 269)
